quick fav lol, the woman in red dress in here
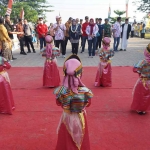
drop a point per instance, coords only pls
(103, 75)
(73, 97)
(141, 92)
(6, 97)
(51, 77)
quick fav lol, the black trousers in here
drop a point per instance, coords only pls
(62, 42)
(132, 33)
(66, 41)
(21, 40)
(99, 42)
(75, 47)
(28, 40)
(80, 37)
(142, 35)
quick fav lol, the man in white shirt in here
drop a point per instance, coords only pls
(126, 29)
(116, 33)
(60, 30)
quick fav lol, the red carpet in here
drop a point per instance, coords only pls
(112, 126)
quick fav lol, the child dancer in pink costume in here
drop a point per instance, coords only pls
(141, 92)
(6, 97)
(51, 77)
(73, 96)
(103, 76)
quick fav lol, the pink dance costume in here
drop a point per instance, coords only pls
(51, 77)
(141, 91)
(73, 97)
(6, 97)
(103, 75)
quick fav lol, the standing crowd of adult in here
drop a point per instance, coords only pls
(92, 31)
(74, 30)
(7, 31)
(138, 30)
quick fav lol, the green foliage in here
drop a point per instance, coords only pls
(119, 14)
(30, 14)
(143, 5)
(32, 8)
(2, 10)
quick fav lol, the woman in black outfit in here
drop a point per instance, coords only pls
(74, 34)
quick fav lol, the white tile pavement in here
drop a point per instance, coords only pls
(134, 53)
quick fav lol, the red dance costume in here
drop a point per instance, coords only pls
(141, 92)
(51, 77)
(6, 97)
(73, 97)
(103, 75)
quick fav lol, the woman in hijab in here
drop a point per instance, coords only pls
(141, 92)
(92, 30)
(6, 98)
(74, 34)
(73, 96)
(51, 77)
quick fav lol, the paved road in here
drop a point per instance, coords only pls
(125, 58)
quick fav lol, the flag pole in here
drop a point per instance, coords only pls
(22, 14)
(9, 7)
(109, 12)
(127, 8)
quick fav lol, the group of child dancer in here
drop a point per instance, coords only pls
(73, 96)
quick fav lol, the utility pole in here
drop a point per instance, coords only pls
(127, 1)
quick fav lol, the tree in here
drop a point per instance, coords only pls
(32, 7)
(143, 5)
(118, 13)
(30, 14)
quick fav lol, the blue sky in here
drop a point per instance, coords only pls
(91, 8)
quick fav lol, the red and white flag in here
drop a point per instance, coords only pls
(22, 14)
(9, 8)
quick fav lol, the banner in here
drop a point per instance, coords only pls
(22, 14)
(9, 8)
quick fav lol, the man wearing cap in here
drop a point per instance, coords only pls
(67, 24)
(60, 30)
(107, 28)
(126, 29)
(19, 28)
(101, 33)
(42, 30)
(84, 35)
(28, 36)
